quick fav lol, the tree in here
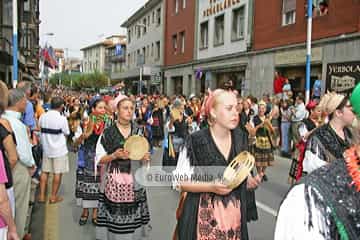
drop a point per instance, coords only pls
(79, 81)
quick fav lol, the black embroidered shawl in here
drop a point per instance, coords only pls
(327, 144)
(112, 140)
(202, 151)
(337, 201)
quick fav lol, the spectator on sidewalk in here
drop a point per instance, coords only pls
(7, 224)
(25, 167)
(316, 90)
(9, 158)
(28, 117)
(54, 128)
(278, 84)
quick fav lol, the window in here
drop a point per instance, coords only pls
(182, 39)
(289, 12)
(144, 26)
(148, 21)
(128, 59)
(138, 31)
(158, 16)
(184, 4)
(129, 35)
(147, 51)
(238, 24)
(158, 50)
(153, 17)
(176, 6)
(152, 49)
(204, 35)
(143, 54)
(7, 12)
(27, 6)
(219, 30)
(174, 43)
(320, 8)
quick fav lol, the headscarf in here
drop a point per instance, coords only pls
(114, 103)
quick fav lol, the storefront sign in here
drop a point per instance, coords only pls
(342, 77)
(297, 56)
(216, 6)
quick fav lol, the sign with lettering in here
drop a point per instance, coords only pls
(342, 77)
(297, 56)
(217, 6)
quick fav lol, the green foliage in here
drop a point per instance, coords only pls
(79, 81)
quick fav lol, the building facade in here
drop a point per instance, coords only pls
(28, 40)
(145, 48)
(223, 37)
(279, 44)
(116, 59)
(179, 47)
(94, 57)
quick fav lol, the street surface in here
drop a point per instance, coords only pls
(60, 221)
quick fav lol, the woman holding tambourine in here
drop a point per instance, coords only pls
(210, 209)
(123, 209)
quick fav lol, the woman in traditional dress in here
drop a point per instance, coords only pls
(90, 182)
(329, 141)
(123, 209)
(263, 150)
(177, 127)
(158, 124)
(209, 209)
(306, 128)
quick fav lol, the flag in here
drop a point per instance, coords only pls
(47, 54)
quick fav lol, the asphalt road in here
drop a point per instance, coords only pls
(60, 221)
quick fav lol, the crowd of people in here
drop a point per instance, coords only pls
(38, 128)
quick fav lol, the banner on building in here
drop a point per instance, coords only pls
(342, 77)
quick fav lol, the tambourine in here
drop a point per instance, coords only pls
(238, 170)
(137, 146)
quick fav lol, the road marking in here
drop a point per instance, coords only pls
(266, 208)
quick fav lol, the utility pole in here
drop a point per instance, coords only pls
(69, 65)
(15, 44)
(308, 50)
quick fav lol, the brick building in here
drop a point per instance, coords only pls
(279, 44)
(179, 46)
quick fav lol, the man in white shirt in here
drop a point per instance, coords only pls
(54, 129)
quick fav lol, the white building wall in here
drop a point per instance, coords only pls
(229, 46)
(154, 33)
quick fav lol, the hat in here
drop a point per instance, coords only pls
(355, 99)
(192, 96)
(330, 102)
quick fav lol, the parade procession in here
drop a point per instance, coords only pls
(180, 120)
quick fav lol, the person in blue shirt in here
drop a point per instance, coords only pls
(316, 90)
(28, 117)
